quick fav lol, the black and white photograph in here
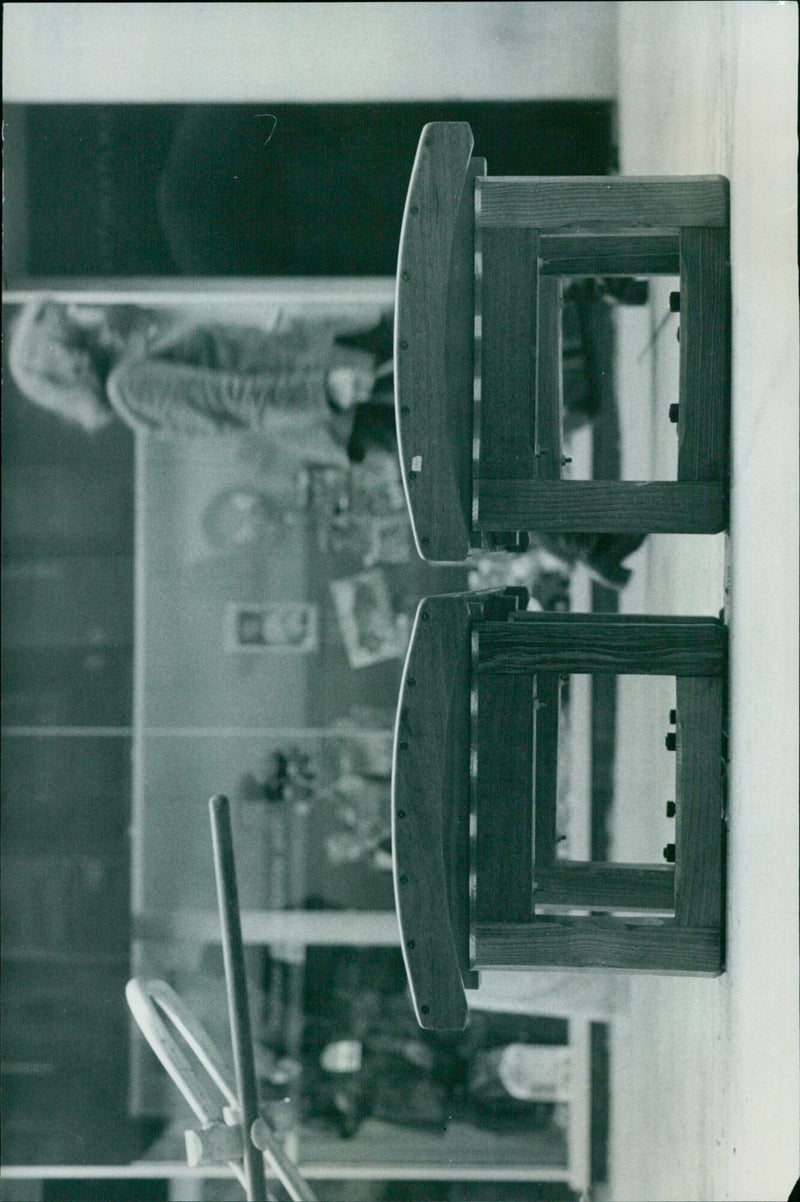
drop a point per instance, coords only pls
(401, 607)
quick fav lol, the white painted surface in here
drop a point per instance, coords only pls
(705, 1079)
(309, 52)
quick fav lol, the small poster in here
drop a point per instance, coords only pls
(280, 627)
(369, 626)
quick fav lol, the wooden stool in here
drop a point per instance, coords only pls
(474, 801)
(478, 345)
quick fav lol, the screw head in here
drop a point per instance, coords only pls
(410, 944)
(401, 813)
(403, 879)
(414, 209)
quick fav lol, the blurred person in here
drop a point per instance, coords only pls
(175, 376)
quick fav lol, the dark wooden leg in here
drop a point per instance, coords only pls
(549, 388)
(504, 435)
(699, 820)
(503, 791)
(545, 742)
(705, 353)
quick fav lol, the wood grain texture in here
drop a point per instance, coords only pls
(699, 827)
(566, 643)
(430, 811)
(600, 619)
(705, 355)
(587, 203)
(504, 795)
(433, 349)
(609, 254)
(549, 389)
(508, 308)
(600, 942)
(545, 766)
(597, 506)
(606, 886)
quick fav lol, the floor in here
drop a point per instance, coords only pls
(705, 1088)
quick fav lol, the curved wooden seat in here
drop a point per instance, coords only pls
(434, 341)
(430, 811)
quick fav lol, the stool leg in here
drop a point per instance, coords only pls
(508, 340)
(545, 771)
(503, 792)
(549, 388)
(699, 827)
(705, 351)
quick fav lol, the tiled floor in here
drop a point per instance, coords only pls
(705, 1072)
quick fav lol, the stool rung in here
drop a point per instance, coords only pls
(599, 942)
(609, 254)
(558, 203)
(586, 506)
(606, 886)
(565, 643)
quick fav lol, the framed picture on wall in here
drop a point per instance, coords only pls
(368, 624)
(284, 627)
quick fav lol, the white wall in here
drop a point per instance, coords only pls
(309, 52)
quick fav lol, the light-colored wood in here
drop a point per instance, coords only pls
(705, 355)
(699, 819)
(609, 254)
(595, 506)
(565, 643)
(592, 203)
(606, 886)
(433, 347)
(430, 810)
(599, 942)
